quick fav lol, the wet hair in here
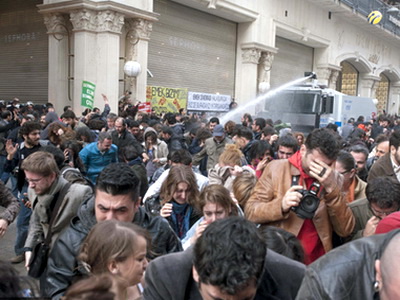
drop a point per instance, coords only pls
(346, 160)
(112, 116)
(260, 122)
(325, 141)
(68, 114)
(121, 242)
(181, 156)
(332, 126)
(176, 175)
(132, 123)
(381, 138)
(119, 179)
(104, 136)
(214, 120)
(42, 163)
(359, 149)
(283, 242)
(203, 133)
(258, 149)
(242, 131)
(230, 254)
(268, 131)
(219, 195)
(394, 139)
(167, 130)
(243, 187)
(29, 127)
(229, 126)
(384, 192)
(288, 141)
(231, 156)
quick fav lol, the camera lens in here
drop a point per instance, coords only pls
(310, 203)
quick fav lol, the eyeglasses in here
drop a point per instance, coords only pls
(344, 172)
(381, 214)
(33, 180)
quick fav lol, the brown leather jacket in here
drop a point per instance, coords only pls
(265, 205)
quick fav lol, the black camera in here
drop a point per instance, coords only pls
(308, 203)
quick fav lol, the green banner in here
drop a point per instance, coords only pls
(88, 89)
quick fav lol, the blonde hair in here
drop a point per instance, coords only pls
(231, 156)
(243, 187)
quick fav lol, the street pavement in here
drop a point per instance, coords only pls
(7, 246)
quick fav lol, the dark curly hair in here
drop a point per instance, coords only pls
(325, 141)
(119, 179)
(384, 191)
(229, 254)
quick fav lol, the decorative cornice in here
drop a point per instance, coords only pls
(251, 55)
(141, 27)
(74, 5)
(259, 46)
(55, 23)
(97, 21)
(266, 60)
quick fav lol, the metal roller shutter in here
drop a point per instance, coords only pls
(24, 51)
(192, 49)
(291, 61)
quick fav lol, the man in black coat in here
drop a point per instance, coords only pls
(229, 261)
(116, 197)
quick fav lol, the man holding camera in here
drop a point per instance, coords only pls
(282, 197)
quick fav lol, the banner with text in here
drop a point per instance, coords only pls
(208, 102)
(145, 107)
(87, 98)
(165, 99)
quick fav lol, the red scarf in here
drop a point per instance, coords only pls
(308, 234)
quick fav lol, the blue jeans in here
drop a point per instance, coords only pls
(22, 224)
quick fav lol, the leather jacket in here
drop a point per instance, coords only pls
(347, 272)
(63, 267)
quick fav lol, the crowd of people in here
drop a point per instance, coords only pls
(178, 206)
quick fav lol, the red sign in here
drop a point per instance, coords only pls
(145, 107)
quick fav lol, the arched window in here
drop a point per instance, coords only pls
(347, 82)
(382, 93)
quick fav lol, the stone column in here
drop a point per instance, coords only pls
(96, 49)
(264, 71)
(368, 84)
(327, 75)
(249, 75)
(137, 41)
(58, 29)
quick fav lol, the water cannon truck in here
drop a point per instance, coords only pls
(309, 106)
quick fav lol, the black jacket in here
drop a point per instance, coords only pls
(281, 279)
(126, 139)
(62, 267)
(347, 272)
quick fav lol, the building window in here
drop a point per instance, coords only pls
(347, 82)
(382, 93)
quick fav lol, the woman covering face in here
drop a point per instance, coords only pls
(179, 194)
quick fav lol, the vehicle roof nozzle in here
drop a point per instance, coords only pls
(310, 75)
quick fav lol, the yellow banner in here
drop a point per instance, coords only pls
(164, 99)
